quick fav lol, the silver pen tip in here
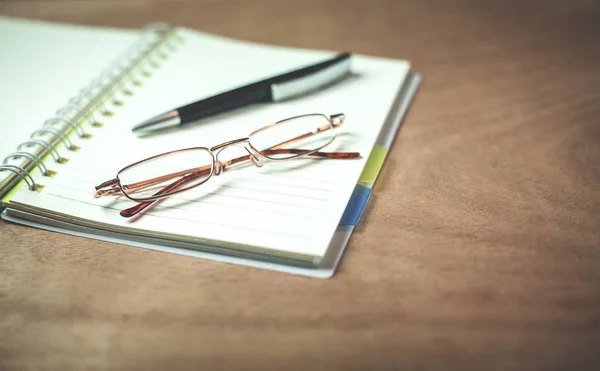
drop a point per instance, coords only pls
(166, 120)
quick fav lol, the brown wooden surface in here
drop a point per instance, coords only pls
(480, 249)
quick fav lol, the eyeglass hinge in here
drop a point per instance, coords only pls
(337, 119)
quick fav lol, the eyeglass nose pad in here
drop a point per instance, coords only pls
(218, 167)
(255, 157)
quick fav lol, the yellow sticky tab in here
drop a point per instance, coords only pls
(376, 158)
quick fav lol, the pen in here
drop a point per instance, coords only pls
(272, 89)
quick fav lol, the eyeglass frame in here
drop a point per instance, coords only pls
(114, 187)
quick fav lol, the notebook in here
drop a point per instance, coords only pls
(73, 115)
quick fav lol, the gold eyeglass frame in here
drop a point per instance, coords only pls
(114, 187)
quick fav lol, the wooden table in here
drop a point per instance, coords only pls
(479, 251)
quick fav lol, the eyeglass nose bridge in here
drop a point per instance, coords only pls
(254, 156)
(219, 147)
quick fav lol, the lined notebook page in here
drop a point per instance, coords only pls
(43, 65)
(283, 207)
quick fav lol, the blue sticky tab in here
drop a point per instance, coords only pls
(356, 205)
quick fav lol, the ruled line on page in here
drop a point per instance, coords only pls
(197, 191)
(275, 222)
(170, 217)
(277, 193)
(278, 213)
(214, 194)
(223, 182)
(245, 188)
(318, 178)
(173, 198)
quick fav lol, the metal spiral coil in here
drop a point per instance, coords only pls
(91, 100)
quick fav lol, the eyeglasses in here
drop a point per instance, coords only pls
(174, 172)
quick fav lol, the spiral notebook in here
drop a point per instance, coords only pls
(73, 93)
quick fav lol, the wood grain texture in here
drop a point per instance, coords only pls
(480, 249)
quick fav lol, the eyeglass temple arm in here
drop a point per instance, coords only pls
(113, 189)
(335, 120)
(134, 210)
(110, 188)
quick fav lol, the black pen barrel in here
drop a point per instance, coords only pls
(230, 100)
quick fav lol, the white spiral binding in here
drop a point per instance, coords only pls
(125, 71)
